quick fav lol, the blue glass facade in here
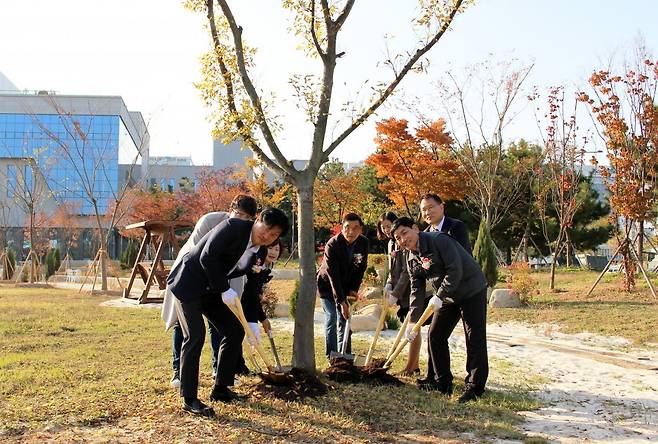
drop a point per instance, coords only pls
(64, 148)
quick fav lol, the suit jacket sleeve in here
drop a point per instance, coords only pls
(213, 262)
(445, 248)
(417, 296)
(205, 224)
(403, 281)
(332, 258)
(253, 309)
(460, 233)
(391, 263)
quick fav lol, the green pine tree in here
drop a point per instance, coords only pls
(484, 253)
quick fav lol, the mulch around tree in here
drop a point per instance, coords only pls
(344, 370)
(298, 385)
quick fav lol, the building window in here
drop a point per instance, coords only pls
(163, 184)
(11, 180)
(28, 180)
(172, 185)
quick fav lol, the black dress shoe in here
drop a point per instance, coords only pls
(433, 386)
(224, 394)
(470, 394)
(243, 370)
(198, 408)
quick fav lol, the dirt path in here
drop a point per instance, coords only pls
(595, 389)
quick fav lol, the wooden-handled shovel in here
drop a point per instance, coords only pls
(424, 317)
(398, 338)
(237, 311)
(380, 325)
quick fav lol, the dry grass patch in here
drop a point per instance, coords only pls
(74, 371)
(608, 311)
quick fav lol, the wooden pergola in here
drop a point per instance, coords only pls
(158, 233)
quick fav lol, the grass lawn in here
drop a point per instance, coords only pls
(71, 370)
(608, 311)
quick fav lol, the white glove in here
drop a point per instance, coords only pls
(436, 303)
(411, 333)
(229, 297)
(388, 288)
(255, 330)
(392, 300)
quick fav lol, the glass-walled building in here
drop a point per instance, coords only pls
(76, 144)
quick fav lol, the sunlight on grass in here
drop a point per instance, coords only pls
(73, 370)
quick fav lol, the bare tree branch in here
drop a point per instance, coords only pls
(389, 90)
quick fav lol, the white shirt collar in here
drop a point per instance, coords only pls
(439, 225)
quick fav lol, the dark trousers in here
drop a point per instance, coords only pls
(190, 317)
(473, 312)
(177, 343)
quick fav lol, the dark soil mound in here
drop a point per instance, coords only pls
(343, 370)
(298, 385)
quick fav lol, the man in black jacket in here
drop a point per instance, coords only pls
(460, 291)
(200, 284)
(339, 277)
(432, 209)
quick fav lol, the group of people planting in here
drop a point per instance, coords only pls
(220, 272)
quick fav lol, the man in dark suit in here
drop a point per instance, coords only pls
(432, 209)
(339, 277)
(460, 291)
(200, 283)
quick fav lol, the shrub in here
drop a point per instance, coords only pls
(9, 265)
(58, 260)
(377, 260)
(392, 322)
(371, 276)
(129, 255)
(50, 263)
(268, 300)
(292, 300)
(484, 253)
(521, 282)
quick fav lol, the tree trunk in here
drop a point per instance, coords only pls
(303, 351)
(568, 249)
(31, 258)
(640, 242)
(102, 244)
(558, 249)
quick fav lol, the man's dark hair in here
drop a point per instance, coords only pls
(403, 221)
(273, 217)
(244, 203)
(389, 216)
(351, 217)
(432, 196)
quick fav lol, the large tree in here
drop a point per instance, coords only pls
(411, 165)
(241, 113)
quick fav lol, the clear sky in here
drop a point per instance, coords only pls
(147, 51)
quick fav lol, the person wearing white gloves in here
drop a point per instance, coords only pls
(398, 288)
(460, 292)
(242, 207)
(257, 278)
(200, 283)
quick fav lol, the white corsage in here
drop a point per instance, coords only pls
(358, 258)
